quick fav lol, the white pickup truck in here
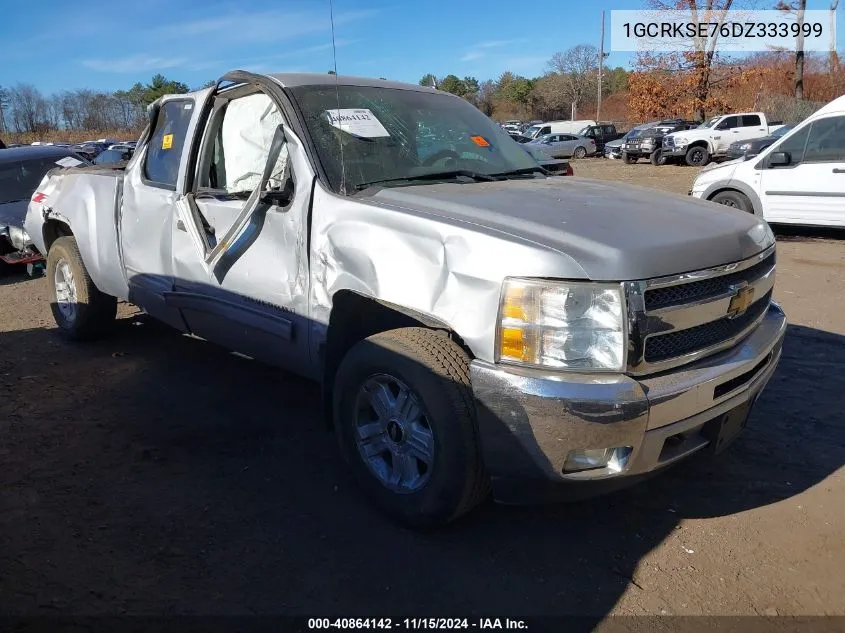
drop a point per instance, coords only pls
(712, 138)
(474, 322)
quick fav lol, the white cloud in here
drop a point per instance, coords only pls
(496, 43)
(472, 55)
(133, 63)
(482, 49)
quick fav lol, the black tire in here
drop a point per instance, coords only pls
(657, 157)
(733, 199)
(94, 311)
(580, 152)
(697, 156)
(437, 372)
(629, 160)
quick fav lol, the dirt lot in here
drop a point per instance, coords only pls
(157, 474)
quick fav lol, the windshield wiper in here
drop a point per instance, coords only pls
(440, 175)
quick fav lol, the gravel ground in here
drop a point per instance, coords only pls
(156, 474)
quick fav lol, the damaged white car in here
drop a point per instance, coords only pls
(475, 323)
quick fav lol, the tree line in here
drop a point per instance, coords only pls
(571, 77)
(26, 110)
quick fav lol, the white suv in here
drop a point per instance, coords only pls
(798, 180)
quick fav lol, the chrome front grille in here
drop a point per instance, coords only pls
(679, 319)
(664, 346)
(657, 298)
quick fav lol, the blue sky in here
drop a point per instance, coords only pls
(97, 44)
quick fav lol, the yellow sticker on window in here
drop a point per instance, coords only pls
(167, 141)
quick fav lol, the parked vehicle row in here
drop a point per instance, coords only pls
(475, 324)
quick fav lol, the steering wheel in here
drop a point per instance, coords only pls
(443, 153)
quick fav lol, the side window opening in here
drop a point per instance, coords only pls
(164, 150)
(242, 134)
(794, 145)
(826, 142)
(730, 123)
(749, 120)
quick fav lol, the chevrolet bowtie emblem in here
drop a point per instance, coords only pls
(741, 301)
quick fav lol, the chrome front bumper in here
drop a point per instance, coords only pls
(529, 419)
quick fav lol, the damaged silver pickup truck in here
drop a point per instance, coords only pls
(474, 322)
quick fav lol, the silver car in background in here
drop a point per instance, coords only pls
(566, 145)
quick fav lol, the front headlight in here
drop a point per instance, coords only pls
(19, 238)
(745, 146)
(562, 325)
(680, 140)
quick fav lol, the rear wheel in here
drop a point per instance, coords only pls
(733, 199)
(697, 156)
(580, 152)
(629, 160)
(81, 311)
(405, 421)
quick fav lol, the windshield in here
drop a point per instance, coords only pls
(709, 123)
(394, 134)
(19, 180)
(532, 131)
(782, 130)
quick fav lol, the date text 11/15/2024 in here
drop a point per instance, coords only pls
(415, 624)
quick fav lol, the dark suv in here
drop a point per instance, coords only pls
(601, 133)
(649, 143)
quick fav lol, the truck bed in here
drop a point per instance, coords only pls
(88, 200)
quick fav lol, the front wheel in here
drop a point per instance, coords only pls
(657, 157)
(81, 311)
(733, 199)
(629, 160)
(580, 152)
(405, 421)
(697, 156)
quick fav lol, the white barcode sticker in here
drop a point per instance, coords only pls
(68, 161)
(360, 122)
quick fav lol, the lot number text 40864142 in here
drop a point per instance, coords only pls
(414, 624)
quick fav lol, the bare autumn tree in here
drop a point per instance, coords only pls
(833, 58)
(4, 105)
(699, 53)
(29, 109)
(486, 95)
(576, 69)
(797, 7)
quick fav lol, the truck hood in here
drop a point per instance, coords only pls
(614, 232)
(691, 134)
